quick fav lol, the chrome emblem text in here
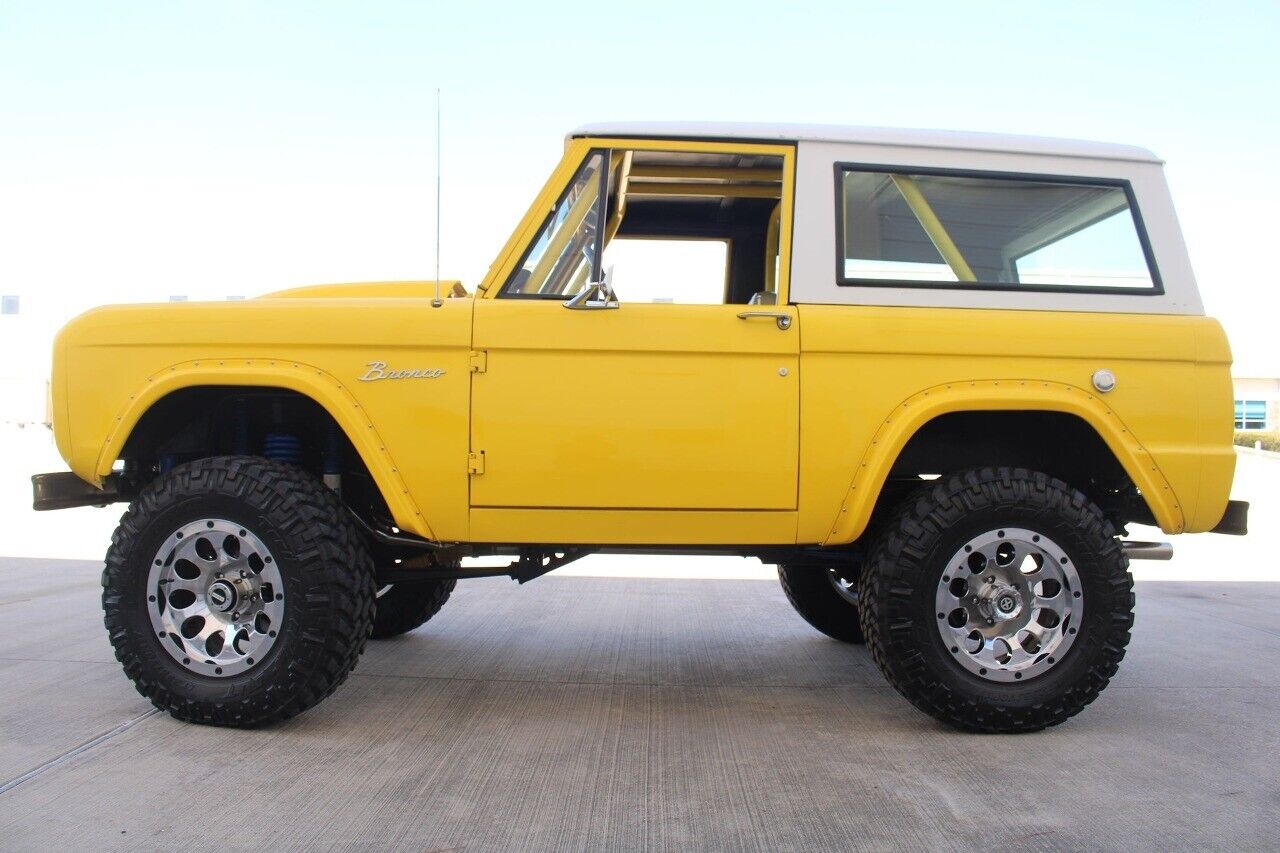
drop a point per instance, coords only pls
(379, 370)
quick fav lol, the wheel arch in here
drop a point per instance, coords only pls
(911, 421)
(305, 381)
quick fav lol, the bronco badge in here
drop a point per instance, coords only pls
(378, 370)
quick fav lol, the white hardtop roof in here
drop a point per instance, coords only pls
(909, 138)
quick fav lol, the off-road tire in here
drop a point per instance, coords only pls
(328, 583)
(814, 596)
(898, 588)
(401, 607)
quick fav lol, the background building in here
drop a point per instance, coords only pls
(1257, 396)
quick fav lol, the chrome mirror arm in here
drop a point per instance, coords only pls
(596, 296)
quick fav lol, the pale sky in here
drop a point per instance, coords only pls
(214, 149)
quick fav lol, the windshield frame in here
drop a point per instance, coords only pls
(601, 199)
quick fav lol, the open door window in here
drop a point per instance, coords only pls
(685, 227)
(695, 227)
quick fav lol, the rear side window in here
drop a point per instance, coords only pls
(989, 231)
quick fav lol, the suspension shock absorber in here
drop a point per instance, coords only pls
(332, 458)
(240, 437)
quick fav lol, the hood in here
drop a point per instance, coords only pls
(365, 289)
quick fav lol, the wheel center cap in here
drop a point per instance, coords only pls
(222, 596)
(1006, 602)
(1002, 602)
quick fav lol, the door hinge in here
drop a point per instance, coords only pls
(475, 462)
(479, 361)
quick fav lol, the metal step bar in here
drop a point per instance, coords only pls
(1147, 550)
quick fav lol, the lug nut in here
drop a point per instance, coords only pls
(243, 573)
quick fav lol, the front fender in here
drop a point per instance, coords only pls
(325, 389)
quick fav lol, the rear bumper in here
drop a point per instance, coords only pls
(1235, 521)
(64, 490)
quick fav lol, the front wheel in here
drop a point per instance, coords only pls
(237, 592)
(998, 600)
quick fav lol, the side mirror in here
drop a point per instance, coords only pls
(596, 296)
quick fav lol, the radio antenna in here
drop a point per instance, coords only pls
(437, 302)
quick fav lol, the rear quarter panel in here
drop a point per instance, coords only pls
(871, 376)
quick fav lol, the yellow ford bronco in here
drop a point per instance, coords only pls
(932, 376)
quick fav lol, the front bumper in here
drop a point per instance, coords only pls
(64, 490)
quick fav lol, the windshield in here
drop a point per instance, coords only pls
(564, 257)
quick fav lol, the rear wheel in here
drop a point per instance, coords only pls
(998, 600)
(401, 607)
(237, 592)
(827, 598)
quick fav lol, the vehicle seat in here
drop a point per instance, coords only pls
(764, 297)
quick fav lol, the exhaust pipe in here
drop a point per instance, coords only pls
(1147, 550)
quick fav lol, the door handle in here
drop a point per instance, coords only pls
(784, 320)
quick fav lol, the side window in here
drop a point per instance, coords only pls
(902, 228)
(563, 257)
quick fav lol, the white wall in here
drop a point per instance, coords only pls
(25, 351)
(1257, 389)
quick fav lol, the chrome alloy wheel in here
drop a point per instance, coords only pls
(216, 597)
(1009, 604)
(845, 588)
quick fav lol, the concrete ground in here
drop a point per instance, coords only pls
(619, 712)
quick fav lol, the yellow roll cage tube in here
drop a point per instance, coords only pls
(933, 226)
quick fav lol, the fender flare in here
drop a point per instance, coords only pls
(913, 413)
(321, 387)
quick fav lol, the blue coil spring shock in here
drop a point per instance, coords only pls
(283, 447)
